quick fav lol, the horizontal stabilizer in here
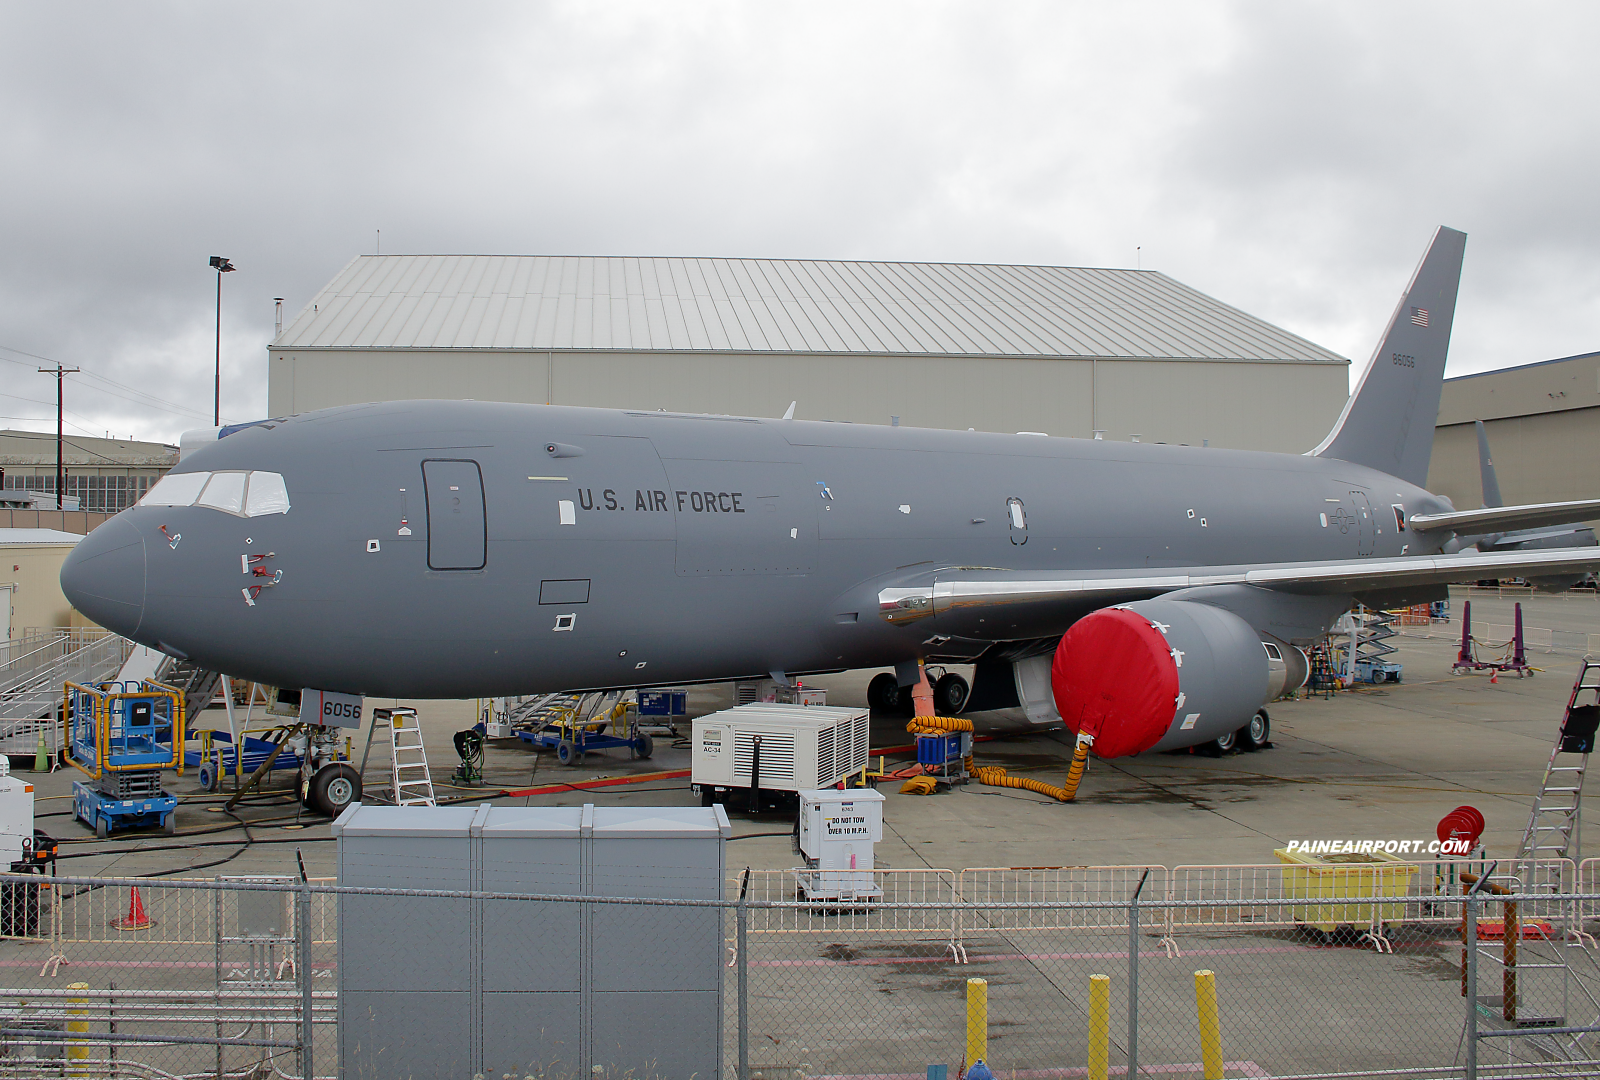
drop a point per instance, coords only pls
(1507, 518)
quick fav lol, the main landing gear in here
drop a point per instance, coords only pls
(886, 696)
(1255, 735)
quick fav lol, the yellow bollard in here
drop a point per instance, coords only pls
(977, 1020)
(1099, 1026)
(76, 1051)
(1205, 1003)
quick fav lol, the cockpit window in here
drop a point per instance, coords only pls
(225, 492)
(267, 495)
(176, 489)
(252, 494)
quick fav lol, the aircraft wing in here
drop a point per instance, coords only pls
(960, 589)
(1508, 518)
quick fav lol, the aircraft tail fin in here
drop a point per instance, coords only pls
(1388, 422)
(1491, 484)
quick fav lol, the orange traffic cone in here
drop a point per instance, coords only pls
(135, 919)
(1494, 676)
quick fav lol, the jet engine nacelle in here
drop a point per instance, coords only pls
(1160, 674)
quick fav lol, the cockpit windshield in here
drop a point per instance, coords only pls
(243, 494)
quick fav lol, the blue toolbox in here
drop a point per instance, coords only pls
(663, 703)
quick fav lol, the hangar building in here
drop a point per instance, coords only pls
(1543, 424)
(103, 477)
(1059, 350)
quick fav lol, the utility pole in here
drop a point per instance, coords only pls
(221, 266)
(61, 473)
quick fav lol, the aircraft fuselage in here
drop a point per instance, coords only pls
(610, 548)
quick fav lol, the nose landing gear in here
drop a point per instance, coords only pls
(328, 782)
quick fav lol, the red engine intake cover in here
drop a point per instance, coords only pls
(1115, 678)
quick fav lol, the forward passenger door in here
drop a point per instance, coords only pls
(457, 527)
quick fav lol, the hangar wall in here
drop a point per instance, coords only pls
(1543, 424)
(1060, 350)
(1251, 405)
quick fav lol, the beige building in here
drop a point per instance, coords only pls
(1059, 350)
(103, 475)
(1543, 424)
(30, 579)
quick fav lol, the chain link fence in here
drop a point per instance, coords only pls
(1057, 972)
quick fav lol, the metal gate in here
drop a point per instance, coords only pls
(456, 531)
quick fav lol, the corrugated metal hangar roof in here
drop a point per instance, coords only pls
(538, 302)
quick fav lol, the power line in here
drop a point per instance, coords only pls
(35, 401)
(144, 397)
(173, 406)
(87, 431)
(142, 393)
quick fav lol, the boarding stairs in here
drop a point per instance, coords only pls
(33, 669)
(198, 685)
(535, 713)
(411, 784)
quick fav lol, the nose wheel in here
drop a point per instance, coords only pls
(332, 788)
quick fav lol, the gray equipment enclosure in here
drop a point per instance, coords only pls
(497, 985)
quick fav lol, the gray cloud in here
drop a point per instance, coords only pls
(1289, 159)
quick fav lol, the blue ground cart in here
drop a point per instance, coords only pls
(215, 758)
(575, 731)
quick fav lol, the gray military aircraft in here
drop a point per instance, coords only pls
(1150, 596)
(1522, 539)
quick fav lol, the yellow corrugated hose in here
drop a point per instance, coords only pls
(994, 775)
(932, 725)
(938, 725)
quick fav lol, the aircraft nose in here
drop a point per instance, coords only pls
(104, 577)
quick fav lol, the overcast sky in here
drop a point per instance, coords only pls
(1290, 159)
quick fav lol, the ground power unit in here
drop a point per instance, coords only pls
(837, 832)
(774, 748)
(16, 815)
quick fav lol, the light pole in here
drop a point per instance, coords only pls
(221, 266)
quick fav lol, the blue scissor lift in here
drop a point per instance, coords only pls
(121, 736)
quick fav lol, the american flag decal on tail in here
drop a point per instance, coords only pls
(1419, 316)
